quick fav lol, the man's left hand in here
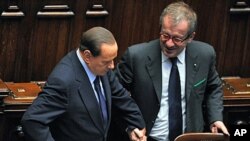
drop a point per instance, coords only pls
(138, 135)
(219, 125)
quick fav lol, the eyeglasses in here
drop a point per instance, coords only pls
(176, 40)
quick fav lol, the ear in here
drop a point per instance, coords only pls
(86, 55)
(191, 37)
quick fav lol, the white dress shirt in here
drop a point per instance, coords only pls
(160, 128)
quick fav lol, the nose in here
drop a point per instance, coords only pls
(111, 65)
(169, 43)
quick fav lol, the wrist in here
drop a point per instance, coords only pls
(129, 129)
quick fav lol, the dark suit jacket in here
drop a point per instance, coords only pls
(67, 109)
(140, 72)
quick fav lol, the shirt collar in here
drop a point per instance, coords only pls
(90, 74)
(181, 57)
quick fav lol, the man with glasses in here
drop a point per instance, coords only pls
(145, 71)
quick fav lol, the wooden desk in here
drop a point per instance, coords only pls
(236, 100)
(236, 91)
(4, 91)
(16, 97)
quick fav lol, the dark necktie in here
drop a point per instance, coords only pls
(102, 101)
(174, 101)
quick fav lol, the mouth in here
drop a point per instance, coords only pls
(170, 49)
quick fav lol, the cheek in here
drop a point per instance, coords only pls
(180, 50)
(162, 45)
(101, 70)
(100, 67)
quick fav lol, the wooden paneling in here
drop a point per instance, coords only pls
(35, 35)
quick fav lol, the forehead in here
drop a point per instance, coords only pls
(169, 25)
(108, 52)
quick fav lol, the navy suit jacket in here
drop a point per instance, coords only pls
(140, 71)
(67, 109)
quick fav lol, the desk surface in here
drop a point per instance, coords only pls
(236, 91)
(21, 93)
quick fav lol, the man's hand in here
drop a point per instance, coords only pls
(137, 135)
(219, 125)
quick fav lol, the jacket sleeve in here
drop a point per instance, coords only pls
(49, 104)
(124, 105)
(214, 93)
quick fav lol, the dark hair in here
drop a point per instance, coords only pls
(93, 38)
(179, 11)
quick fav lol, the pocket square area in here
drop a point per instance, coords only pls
(200, 82)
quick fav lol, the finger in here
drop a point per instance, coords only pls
(134, 136)
(138, 133)
(144, 138)
(214, 130)
(225, 131)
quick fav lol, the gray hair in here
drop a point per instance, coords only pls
(93, 38)
(179, 11)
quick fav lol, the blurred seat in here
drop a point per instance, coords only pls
(202, 137)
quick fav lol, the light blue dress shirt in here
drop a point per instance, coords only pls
(91, 75)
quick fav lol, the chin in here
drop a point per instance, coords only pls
(101, 74)
(169, 54)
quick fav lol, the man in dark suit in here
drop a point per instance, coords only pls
(69, 106)
(145, 70)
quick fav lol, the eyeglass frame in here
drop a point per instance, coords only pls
(173, 38)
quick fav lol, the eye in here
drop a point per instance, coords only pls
(177, 39)
(106, 62)
(165, 36)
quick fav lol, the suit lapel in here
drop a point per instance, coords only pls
(87, 94)
(89, 100)
(153, 65)
(192, 67)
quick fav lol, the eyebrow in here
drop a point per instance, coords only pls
(175, 35)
